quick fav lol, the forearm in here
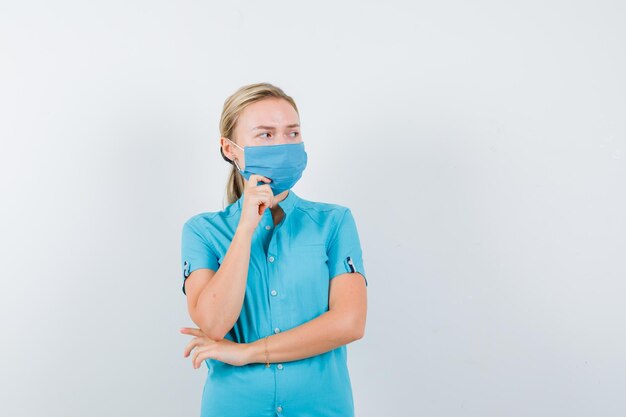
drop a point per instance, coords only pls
(321, 334)
(220, 301)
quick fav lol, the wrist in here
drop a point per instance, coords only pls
(256, 351)
(244, 232)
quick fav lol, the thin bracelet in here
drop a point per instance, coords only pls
(267, 355)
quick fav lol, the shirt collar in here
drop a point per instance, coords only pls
(287, 204)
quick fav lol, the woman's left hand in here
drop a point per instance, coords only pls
(223, 350)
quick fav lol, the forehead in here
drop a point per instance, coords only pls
(272, 111)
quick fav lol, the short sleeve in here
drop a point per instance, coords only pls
(196, 252)
(344, 250)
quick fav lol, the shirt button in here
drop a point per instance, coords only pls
(268, 227)
(277, 330)
(271, 259)
(279, 366)
(279, 409)
(274, 292)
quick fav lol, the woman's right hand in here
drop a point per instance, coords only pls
(256, 199)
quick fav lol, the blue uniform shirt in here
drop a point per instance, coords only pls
(291, 265)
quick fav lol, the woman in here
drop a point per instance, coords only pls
(275, 283)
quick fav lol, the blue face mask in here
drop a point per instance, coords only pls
(283, 164)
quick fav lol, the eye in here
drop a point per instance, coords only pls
(297, 133)
(264, 133)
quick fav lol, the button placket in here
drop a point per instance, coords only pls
(276, 310)
(272, 264)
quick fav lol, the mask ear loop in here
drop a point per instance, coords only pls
(234, 160)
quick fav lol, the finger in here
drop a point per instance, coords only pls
(192, 331)
(199, 356)
(190, 346)
(261, 200)
(256, 178)
(259, 177)
(197, 342)
(266, 195)
(263, 203)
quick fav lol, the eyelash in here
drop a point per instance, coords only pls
(297, 133)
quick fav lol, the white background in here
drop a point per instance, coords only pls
(480, 145)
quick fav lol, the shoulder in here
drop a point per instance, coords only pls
(200, 219)
(322, 211)
(207, 218)
(206, 221)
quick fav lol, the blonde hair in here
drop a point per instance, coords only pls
(233, 107)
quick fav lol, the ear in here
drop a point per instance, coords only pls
(227, 149)
(223, 145)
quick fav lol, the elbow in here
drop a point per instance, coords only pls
(213, 326)
(212, 330)
(359, 332)
(355, 328)
(212, 334)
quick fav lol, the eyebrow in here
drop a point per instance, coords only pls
(273, 128)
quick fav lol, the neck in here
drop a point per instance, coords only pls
(280, 197)
(277, 199)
